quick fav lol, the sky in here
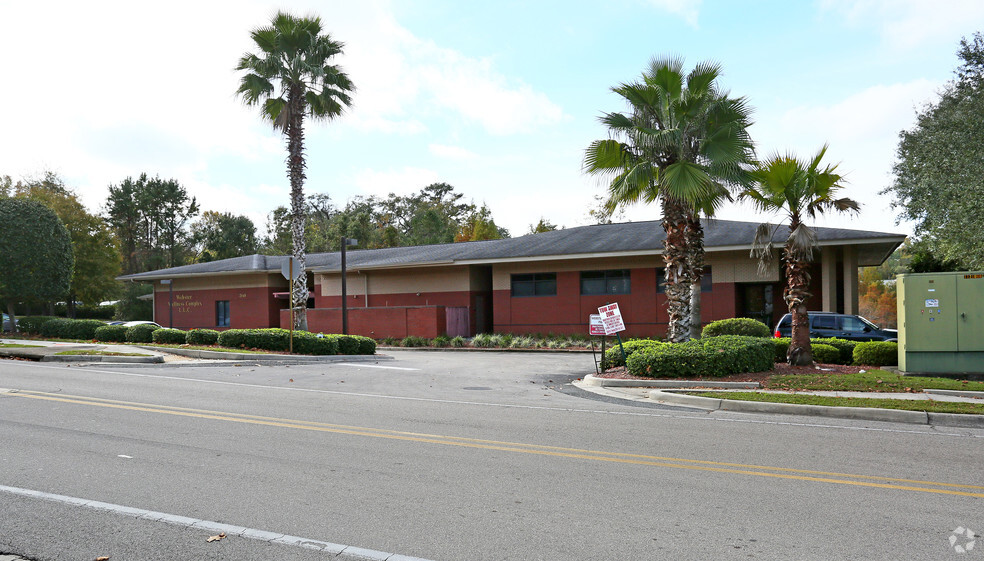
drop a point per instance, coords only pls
(498, 99)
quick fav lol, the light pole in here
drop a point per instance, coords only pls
(345, 243)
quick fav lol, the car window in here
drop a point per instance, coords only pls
(825, 322)
(853, 324)
(786, 321)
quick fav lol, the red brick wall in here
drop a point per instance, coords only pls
(195, 309)
(378, 323)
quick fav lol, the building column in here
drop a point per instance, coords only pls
(850, 280)
(828, 279)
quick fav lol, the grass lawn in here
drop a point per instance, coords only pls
(207, 348)
(17, 346)
(904, 404)
(870, 381)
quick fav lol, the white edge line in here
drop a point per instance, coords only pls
(228, 529)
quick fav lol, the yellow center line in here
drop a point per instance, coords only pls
(526, 448)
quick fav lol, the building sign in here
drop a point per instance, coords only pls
(184, 303)
(611, 318)
(932, 303)
(595, 325)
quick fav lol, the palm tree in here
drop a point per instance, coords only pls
(784, 184)
(682, 143)
(295, 55)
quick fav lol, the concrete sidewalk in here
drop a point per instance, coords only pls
(672, 392)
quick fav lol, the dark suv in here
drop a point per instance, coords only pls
(842, 326)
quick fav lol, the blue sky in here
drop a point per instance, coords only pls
(498, 99)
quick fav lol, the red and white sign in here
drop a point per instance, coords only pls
(595, 325)
(611, 318)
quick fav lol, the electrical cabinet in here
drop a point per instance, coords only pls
(941, 322)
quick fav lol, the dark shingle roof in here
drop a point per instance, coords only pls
(606, 239)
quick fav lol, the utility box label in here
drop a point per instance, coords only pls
(932, 303)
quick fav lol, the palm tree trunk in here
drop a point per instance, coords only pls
(677, 287)
(695, 270)
(796, 295)
(295, 170)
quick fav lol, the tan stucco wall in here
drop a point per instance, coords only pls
(398, 281)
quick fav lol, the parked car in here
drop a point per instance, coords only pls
(842, 326)
(132, 323)
(6, 323)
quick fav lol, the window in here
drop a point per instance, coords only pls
(605, 282)
(706, 280)
(534, 284)
(222, 313)
(825, 322)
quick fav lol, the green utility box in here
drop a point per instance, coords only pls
(941, 322)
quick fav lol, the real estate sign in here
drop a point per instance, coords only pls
(611, 318)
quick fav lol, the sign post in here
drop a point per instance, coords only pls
(611, 319)
(288, 271)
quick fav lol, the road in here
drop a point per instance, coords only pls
(454, 456)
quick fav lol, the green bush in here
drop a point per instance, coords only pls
(781, 348)
(413, 341)
(736, 326)
(825, 354)
(111, 334)
(699, 358)
(613, 355)
(232, 338)
(32, 324)
(349, 344)
(845, 346)
(389, 342)
(64, 328)
(441, 341)
(877, 353)
(202, 337)
(87, 312)
(311, 344)
(169, 336)
(141, 333)
(458, 341)
(367, 345)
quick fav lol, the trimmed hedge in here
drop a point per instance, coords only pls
(613, 355)
(63, 328)
(877, 353)
(201, 337)
(311, 344)
(825, 354)
(698, 358)
(845, 349)
(736, 326)
(169, 336)
(111, 334)
(141, 333)
(32, 324)
(304, 342)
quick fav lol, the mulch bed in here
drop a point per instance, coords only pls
(780, 369)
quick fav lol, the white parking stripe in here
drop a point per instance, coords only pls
(345, 551)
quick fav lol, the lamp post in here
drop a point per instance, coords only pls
(345, 243)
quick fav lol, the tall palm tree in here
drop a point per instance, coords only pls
(682, 143)
(784, 184)
(292, 77)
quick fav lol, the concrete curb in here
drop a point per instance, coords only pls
(156, 359)
(857, 413)
(591, 380)
(485, 350)
(956, 393)
(260, 357)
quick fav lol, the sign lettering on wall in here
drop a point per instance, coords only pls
(184, 303)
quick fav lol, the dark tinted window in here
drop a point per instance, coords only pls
(853, 324)
(534, 284)
(825, 322)
(222, 313)
(605, 282)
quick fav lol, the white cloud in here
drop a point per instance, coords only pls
(400, 182)
(908, 24)
(451, 152)
(686, 9)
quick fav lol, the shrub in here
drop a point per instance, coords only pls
(169, 336)
(413, 341)
(202, 337)
(111, 334)
(458, 341)
(310, 344)
(389, 342)
(781, 348)
(877, 353)
(71, 328)
(349, 344)
(367, 345)
(825, 354)
(522, 342)
(55, 327)
(482, 340)
(613, 355)
(141, 333)
(736, 326)
(232, 338)
(845, 346)
(441, 341)
(32, 324)
(711, 357)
